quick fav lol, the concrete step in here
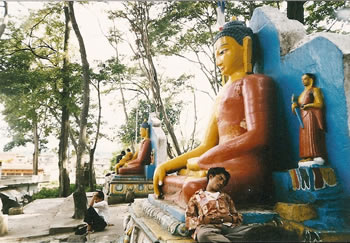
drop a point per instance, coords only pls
(63, 221)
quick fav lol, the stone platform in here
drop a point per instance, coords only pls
(141, 228)
(124, 188)
(162, 221)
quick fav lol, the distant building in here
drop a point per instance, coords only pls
(16, 164)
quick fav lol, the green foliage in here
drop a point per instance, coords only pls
(53, 192)
(185, 27)
(126, 134)
(46, 193)
(321, 15)
(31, 76)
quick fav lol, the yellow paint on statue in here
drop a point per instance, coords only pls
(329, 176)
(295, 212)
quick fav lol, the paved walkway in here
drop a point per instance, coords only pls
(51, 220)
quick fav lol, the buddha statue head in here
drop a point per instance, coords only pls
(144, 129)
(233, 48)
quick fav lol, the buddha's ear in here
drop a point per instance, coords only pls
(247, 54)
(147, 133)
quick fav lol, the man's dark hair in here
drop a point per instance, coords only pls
(122, 152)
(100, 195)
(219, 170)
(311, 75)
(127, 150)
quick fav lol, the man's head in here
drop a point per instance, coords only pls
(100, 196)
(128, 150)
(235, 39)
(308, 79)
(217, 177)
(122, 153)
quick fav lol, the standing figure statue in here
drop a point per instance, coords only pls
(142, 157)
(239, 130)
(311, 133)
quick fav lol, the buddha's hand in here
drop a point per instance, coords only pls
(294, 105)
(158, 179)
(192, 164)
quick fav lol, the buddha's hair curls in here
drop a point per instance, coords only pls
(235, 29)
(145, 124)
(238, 30)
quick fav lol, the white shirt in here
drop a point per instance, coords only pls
(102, 209)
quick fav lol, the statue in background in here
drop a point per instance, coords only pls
(238, 134)
(311, 133)
(126, 157)
(142, 157)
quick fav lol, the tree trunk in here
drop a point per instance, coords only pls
(92, 177)
(4, 23)
(63, 145)
(36, 148)
(125, 111)
(295, 10)
(152, 73)
(79, 195)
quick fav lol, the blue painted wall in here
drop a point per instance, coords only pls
(325, 60)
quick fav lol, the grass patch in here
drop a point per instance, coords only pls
(53, 192)
(46, 193)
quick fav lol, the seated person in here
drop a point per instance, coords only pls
(127, 157)
(120, 156)
(239, 130)
(97, 214)
(211, 216)
(143, 156)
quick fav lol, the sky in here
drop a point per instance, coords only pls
(94, 24)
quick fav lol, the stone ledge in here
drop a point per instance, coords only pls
(152, 228)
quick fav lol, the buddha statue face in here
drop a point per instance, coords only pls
(233, 49)
(229, 55)
(144, 132)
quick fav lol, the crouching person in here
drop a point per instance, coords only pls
(97, 214)
(211, 214)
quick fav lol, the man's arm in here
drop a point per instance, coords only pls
(192, 217)
(236, 218)
(92, 201)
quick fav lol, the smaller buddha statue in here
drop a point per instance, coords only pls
(127, 157)
(311, 135)
(142, 157)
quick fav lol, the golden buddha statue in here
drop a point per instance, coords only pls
(142, 157)
(239, 130)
